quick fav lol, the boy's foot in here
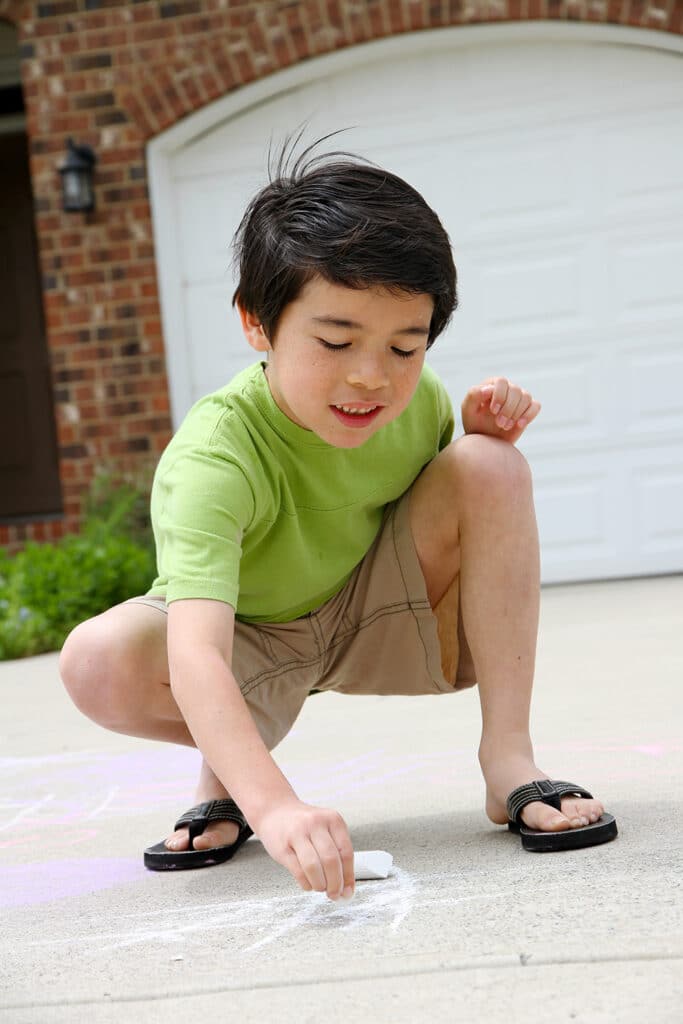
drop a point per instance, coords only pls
(217, 833)
(503, 773)
(187, 854)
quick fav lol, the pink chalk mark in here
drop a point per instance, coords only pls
(652, 749)
(65, 839)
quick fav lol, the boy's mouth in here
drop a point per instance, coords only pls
(354, 415)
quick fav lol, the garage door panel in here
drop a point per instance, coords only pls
(532, 292)
(521, 182)
(658, 504)
(523, 294)
(646, 279)
(654, 391)
(207, 219)
(643, 159)
(571, 397)
(574, 514)
(497, 191)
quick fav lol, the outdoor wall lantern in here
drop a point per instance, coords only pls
(77, 174)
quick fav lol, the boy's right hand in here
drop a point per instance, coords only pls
(313, 843)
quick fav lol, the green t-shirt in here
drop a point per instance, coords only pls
(251, 509)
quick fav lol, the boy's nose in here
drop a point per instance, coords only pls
(370, 374)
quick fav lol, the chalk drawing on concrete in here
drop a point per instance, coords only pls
(250, 925)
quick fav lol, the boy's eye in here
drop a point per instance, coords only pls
(403, 353)
(333, 348)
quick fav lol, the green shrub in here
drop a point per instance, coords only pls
(120, 505)
(47, 589)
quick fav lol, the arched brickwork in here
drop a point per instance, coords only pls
(114, 75)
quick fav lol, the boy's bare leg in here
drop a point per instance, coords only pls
(474, 526)
(115, 668)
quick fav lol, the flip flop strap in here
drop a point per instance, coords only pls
(549, 791)
(197, 818)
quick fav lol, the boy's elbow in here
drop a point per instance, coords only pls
(189, 667)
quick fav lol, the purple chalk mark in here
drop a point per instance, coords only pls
(65, 839)
(44, 881)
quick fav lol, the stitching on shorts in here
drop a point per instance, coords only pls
(317, 632)
(405, 586)
(266, 674)
(266, 641)
(401, 606)
(380, 613)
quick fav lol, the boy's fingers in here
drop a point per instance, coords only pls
(510, 404)
(291, 862)
(499, 396)
(309, 861)
(531, 413)
(341, 837)
(514, 394)
(330, 860)
(523, 404)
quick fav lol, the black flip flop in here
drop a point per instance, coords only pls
(160, 858)
(549, 791)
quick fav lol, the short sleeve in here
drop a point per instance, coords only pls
(201, 505)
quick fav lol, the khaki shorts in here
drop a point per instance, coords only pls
(378, 635)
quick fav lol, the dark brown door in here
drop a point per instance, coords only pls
(29, 477)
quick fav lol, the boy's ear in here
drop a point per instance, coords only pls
(253, 330)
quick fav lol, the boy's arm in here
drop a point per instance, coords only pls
(311, 842)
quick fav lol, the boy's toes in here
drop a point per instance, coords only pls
(179, 840)
(575, 814)
(581, 812)
(223, 833)
(543, 818)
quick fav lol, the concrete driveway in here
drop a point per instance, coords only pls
(468, 928)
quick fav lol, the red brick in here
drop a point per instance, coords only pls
(396, 16)
(537, 9)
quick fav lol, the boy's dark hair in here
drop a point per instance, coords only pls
(351, 223)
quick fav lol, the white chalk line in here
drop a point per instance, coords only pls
(378, 903)
(27, 808)
(111, 795)
(397, 899)
(25, 811)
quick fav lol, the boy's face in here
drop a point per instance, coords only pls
(337, 347)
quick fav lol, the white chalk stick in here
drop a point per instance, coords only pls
(371, 864)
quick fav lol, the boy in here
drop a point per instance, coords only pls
(317, 528)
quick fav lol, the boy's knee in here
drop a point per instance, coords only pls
(489, 464)
(92, 671)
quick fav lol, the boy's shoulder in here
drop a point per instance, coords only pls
(222, 410)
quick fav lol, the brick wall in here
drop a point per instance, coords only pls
(115, 74)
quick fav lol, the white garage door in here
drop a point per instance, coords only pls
(557, 170)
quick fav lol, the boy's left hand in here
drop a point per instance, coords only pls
(498, 408)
